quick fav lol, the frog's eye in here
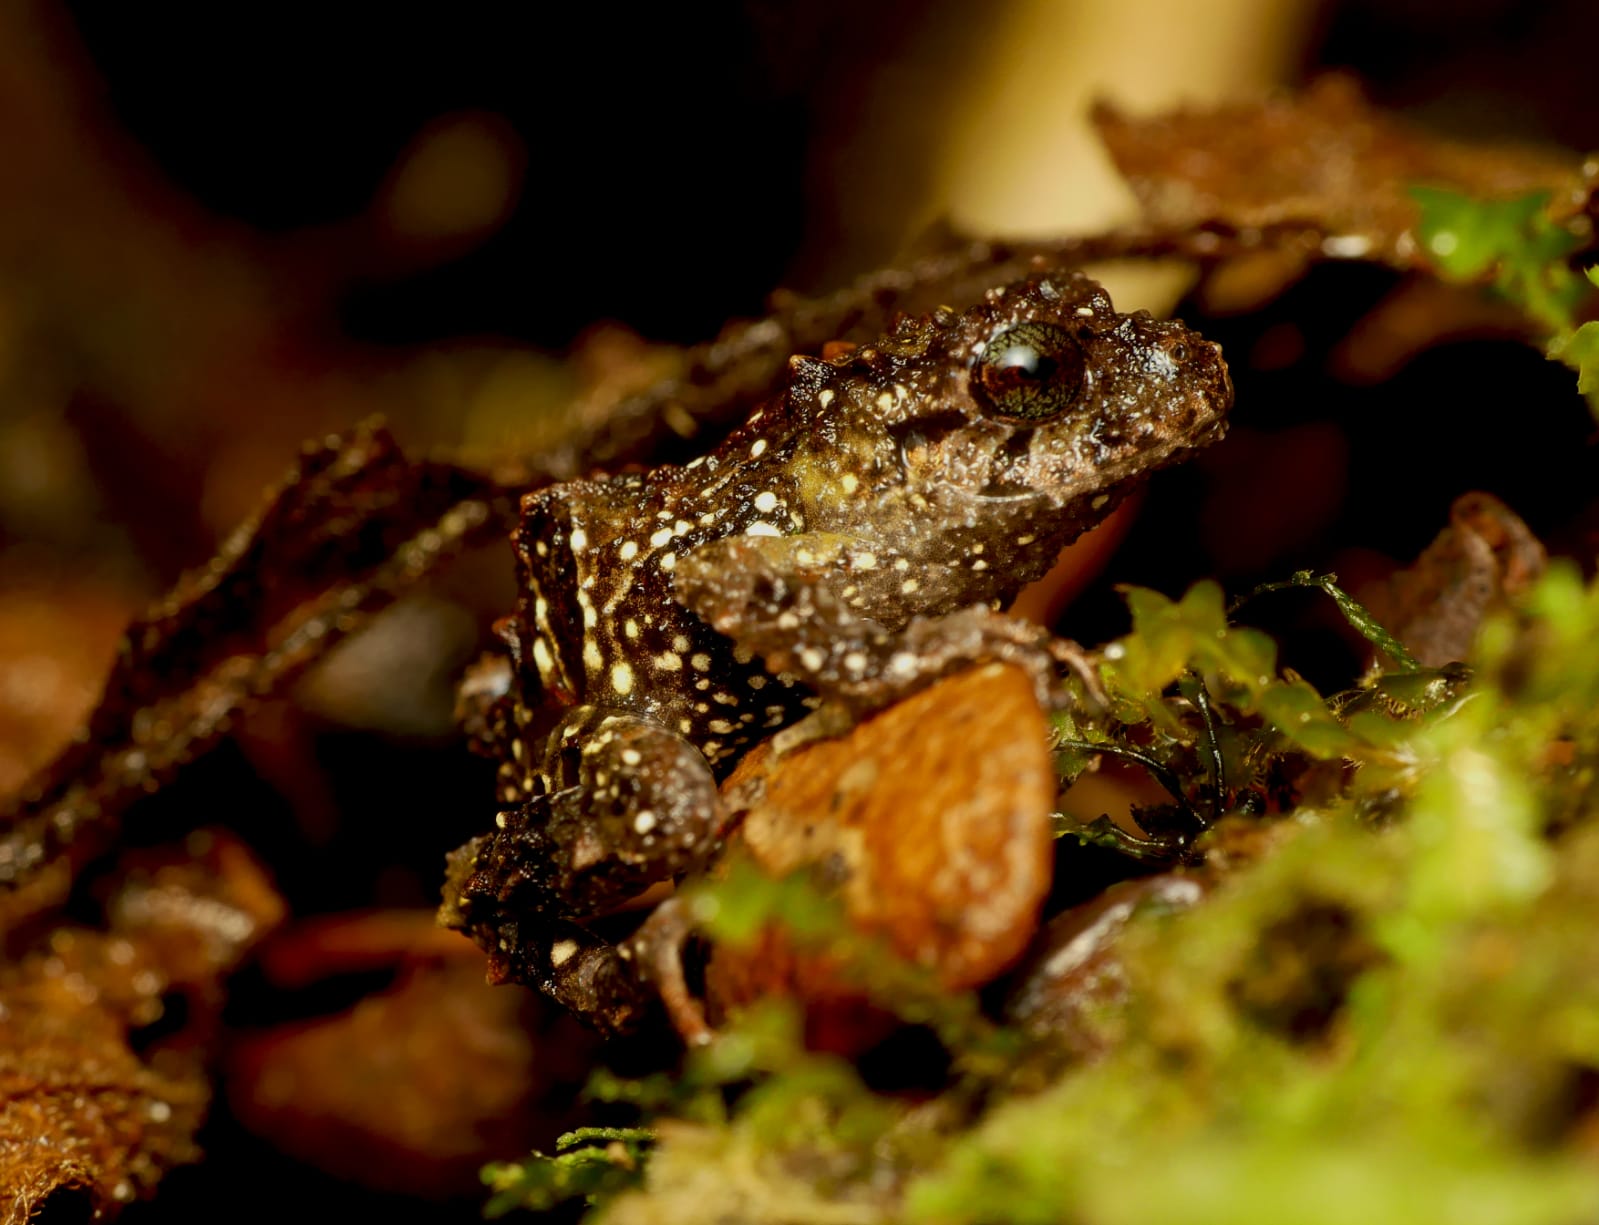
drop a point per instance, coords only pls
(1032, 371)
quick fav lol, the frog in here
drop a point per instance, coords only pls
(853, 541)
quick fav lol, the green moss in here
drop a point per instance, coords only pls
(1450, 1075)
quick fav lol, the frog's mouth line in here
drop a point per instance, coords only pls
(996, 492)
(1106, 475)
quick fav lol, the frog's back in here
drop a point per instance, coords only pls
(596, 617)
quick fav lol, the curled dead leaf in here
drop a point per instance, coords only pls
(932, 818)
(105, 1035)
(1323, 159)
(1482, 561)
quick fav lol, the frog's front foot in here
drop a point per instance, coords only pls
(930, 648)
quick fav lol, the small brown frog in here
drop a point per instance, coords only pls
(849, 544)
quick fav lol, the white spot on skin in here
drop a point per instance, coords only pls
(864, 561)
(759, 449)
(909, 585)
(681, 526)
(660, 537)
(825, 398)
(980, 564)
(765, 501)
(499, 820)
(1099, 501)
(700, 661)
(591, 654)
(1026, 540)
(644, 822)
(631, 757)
(628, 551)
(622, 678)
(542, 659)
(855, 661)
(561, 952)
(668, 561)
(590, 617)
(885, 401)
(667, 661)
(902, 664)
(849, 482)
(580, 540)
(813, 658)
(720, 726)
(630, 628)
(761, 529)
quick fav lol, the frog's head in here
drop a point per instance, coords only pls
(1043, 395)
(1032, 413)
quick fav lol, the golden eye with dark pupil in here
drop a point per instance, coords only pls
(1032, 371)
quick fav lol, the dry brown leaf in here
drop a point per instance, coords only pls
(932, 818)
(97, 1101)
(1323, 159)
(1074, 969)
(412, 1089)
(1484, 560)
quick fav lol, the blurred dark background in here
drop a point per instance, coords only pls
(226, 228)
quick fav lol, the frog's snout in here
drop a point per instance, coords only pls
(1203, 374)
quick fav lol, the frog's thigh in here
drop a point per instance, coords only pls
(639, 803)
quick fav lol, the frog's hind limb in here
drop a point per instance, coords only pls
(641, 807)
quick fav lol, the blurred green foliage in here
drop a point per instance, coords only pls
(1515, 247)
